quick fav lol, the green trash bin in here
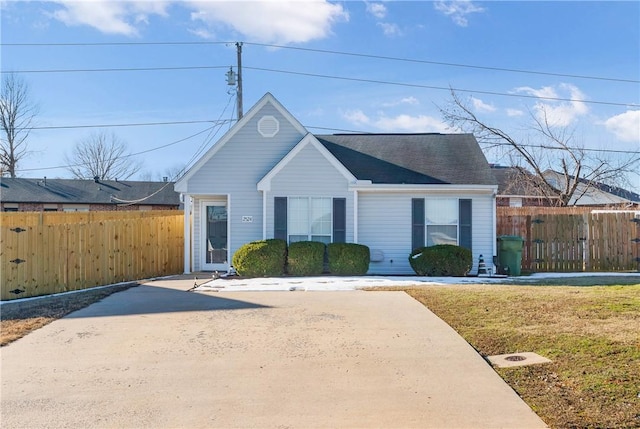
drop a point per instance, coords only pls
(510, 254)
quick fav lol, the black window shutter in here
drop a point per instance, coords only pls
(339, 220)
(465, 223)
(280, 218)
(417, 223)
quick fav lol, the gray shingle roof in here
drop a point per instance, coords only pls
(411, 158)
(74, 191)
(516, 181)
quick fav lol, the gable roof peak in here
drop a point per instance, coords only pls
(267, 98)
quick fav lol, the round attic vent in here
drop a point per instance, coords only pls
(268, 126)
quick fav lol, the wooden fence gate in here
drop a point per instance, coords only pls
(574, 239)
(51, 252)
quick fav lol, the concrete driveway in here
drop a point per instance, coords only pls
(156, 356)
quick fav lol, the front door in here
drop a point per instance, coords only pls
(215, 244)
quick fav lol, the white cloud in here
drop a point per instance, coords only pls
(272, 21)
(402, 123)
(514, 112)
(110, 17)
(481, 105)
(626, 126)
(377, 9)
(556, 112)
(544, 92)
(458, 10)
(356, 117)
(202, 33)
(389, 29)
(411, 124)
(411, 100)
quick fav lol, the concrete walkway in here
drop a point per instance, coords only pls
(156, 356)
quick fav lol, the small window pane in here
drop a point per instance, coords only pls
(326, 239)
(295, 238)
(321, 216)
(298, 216)
(442, 234)
(441, 211)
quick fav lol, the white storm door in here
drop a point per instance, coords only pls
(215, 248)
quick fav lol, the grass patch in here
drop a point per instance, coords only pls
(579, 281)
(590, 333)
(17, 319)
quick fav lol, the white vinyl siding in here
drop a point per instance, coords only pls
(384, 225)
(234, 171)
(310, 175)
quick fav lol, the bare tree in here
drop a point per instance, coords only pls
(170, 174)
(102, 155)
(17, 113)
(550, 162)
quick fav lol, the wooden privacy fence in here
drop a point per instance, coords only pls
(49, 252)
(573, 239)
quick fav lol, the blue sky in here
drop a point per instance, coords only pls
(297, 51)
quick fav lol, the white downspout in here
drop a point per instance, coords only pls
(264, 215)
(187, 233)
(495, 226)
(355, 216)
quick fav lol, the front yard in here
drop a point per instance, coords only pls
(592, 335)
(590, 331)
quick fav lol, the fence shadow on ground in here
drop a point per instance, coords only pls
(147, 299)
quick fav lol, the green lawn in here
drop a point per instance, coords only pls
(592, 335)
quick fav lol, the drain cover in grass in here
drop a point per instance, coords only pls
(517, 359)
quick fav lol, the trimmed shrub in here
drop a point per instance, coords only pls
(261, 258)
(305, 258)
(348, 259)
(441, 260)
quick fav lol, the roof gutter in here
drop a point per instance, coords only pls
(363, 186)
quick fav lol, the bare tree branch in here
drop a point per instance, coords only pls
(558, 155)
(103, 156)
(17, 115)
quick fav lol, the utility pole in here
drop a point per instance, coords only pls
(239, 95)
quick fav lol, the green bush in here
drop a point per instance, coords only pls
(441, 260)
(305, 258)
(261, 258)
(348, 259)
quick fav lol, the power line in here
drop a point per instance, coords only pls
(541, 146)
(128, 69)
(115, 43)
(352, 79)
(125, 156)
(637, 152)
(440, 63)
(139, 124)
(205, 142)
(416, 85)
(334, 52)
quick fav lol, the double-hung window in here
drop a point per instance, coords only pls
(310, 219)
(441, 221)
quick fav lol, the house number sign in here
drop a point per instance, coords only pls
(247, 219)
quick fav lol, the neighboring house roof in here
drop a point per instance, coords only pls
(595, 193)
(516, 182)
(411, 158)
(76, 191)
(618, 192)
(512, 184)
